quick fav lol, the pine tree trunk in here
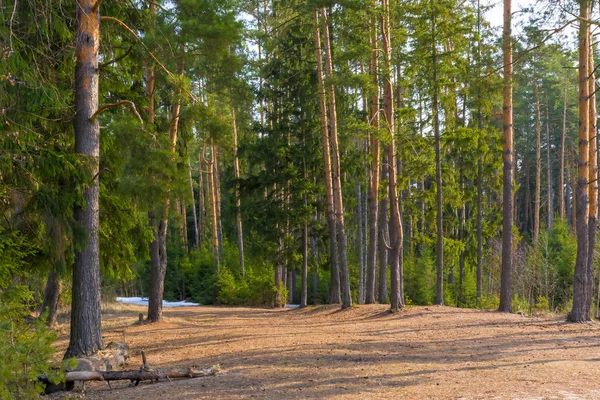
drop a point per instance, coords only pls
(238, 204)
(538, 164)
(439, 298)
(201, 201)
(396, 239)
(213, 205)
(337, 183)
(578, 312)
(359, 239)
(217, 183)
(86, 336)
(593, 180)
(507, 195)
(194, 216)
(334, 295)
(384, 234)
(561, 178)
(158, 248)
(375, 168)
(184, 232)
(550, 203)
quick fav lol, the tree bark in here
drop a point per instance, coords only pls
(213, 204)
(158, 248)
(578, 312)
(238, 204)
(439, 298)
(86, 329)
(396, 239)
(334, 295)
(375, 167)
(337, 184)
(538, 164)
(507, 195)
(201, 201)
(194, 216)
(561, 178)
(593, 180)
(384, 234)
(550, 203)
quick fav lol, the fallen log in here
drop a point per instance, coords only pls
(138, 375)
(145, 373)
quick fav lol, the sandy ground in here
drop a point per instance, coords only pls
(361, 353)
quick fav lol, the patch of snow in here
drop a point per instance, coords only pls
(143, 301)
(292, 305)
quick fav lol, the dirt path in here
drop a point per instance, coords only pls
(361, 353)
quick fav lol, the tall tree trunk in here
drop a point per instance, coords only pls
(550, 203)
(201, 201)
(337, 183)
(217, 188)
(359, 239)
(194, 216)
(158, 248)
(375, 167)
(396, 239)
(578, 312)
(507, 195)
(561, 178)
(384, 234)
(238, 205)
(479, 273)
(461, 237)
(213, 205)
(526, 223)
(439, 298)
(184, 232)
(86, 329)
(538, 164)
(593, 179)
(334, 295)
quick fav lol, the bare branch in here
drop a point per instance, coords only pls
(115, 105)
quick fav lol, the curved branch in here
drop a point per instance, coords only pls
(115, 105)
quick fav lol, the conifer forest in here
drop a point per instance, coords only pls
(283, 160)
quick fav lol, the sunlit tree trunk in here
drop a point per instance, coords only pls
(593, 179)
(212, 199)
(578, 312)
(334, 296)
(337, 183)
(396, 239)
(507, 195)
(375, 167)
(439, 298)
(86, 329)
(201, 200)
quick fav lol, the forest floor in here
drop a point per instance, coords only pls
(361, 353)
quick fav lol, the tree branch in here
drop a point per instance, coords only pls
(115, 105)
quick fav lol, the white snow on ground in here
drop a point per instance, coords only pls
(143, 301)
